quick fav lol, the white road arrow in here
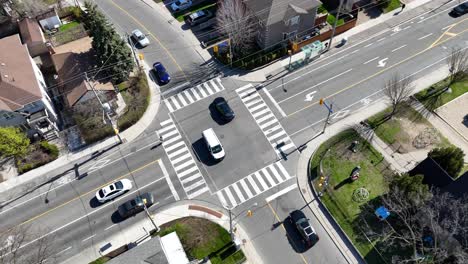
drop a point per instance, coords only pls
(309, 96)
(382, 62)
(396, 29)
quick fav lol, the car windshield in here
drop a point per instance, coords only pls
(118, 185)
(178, 3)
(216, 149)
(141, 37)
(101, 193)
(308, 230)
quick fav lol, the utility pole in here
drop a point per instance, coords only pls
(330, 110)
(334, 24)
(230, 50)
(129, 40)
(106, 113)
(231, 219)
(151, 218)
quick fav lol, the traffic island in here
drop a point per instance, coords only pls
(347, 173)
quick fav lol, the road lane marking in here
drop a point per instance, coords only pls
(371, 60)
(152, 35)
(274, 102)
(109, 227)
(446, 27)
(310, 96)
(380, 72)
(169, 182)
(354, 51)
(88, 238)
(382, 62)
(368, 45)
(414, 73)
(402, 46)
(380, 39)
(282, 225)
(60, 252)
(405, 27)
(282, 192)
(82, 195)
(425, 36)
(320, 83)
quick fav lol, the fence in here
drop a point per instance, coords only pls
(69, 35)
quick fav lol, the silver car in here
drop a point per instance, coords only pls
(140, 38)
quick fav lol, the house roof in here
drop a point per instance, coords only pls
(272, 11)
(49, 13)
(30, 31)
(18, 83)
(149, 252)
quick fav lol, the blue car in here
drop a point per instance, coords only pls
(161, 73)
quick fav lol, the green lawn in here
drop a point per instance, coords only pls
(202, 238)
(338, 164)
(434, 97)
(50, 2)
(68, 26)
(179, 16)
(392, 5)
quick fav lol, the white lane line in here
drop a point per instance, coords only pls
(446, 27)
(320, 83)
(109, 227)
(406, 27)
(163, 123)
(368, 45)
(380, 39)
(60, 252)
(88, 238)
(354, 51)
(394, 33)
(425, 36)
(169, 197)
(282, 192)
(371, 60)
(402, 46)
(168, 180)
(274, 102)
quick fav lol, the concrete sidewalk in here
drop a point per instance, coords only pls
(334, 231)
(139, 233)
(127, 136)
(359, 33)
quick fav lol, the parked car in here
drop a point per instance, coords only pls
(460, 10)
(113, 190)
(223, 108)
(140, 38)
(136, 205)
(181, 5)
(161, 73)
(305, 229)
(198, 17)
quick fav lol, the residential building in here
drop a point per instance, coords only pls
(32, 36)
(281, 20)
(49, 20)
(24, 102)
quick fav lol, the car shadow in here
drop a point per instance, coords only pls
(152, 74)
(202, 153)
(116, 218)
(94, 202)
(294, 237)
(216, 115)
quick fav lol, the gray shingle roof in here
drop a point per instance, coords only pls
(149, 252)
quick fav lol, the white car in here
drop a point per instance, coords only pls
(113, 190)
(141, 38)
(181, 5)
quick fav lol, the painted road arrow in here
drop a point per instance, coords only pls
(382, 62)
(309, 96)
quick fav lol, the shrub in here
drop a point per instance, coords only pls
(22, 168)
(451, 159)
(50, 149)
(138, 100)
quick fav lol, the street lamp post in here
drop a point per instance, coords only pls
(231, 218)
(334, 24)
(330, 110)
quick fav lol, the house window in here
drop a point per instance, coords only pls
(8, 115)
(289, 35)
(294, 21)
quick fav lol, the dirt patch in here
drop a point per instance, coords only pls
(415, 136)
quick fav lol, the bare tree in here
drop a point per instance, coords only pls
(24, 8)
(238, 23)
(397, 90)
(458, 64)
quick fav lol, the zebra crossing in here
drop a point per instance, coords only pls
(253, 185)
(181, 160)
(265, 119)
(193, 94)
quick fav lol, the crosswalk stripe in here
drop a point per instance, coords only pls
(197, 193)
(251, 97)
(268, 177)
(269, 116)
(238, 90)
(253, 109)
(199, 87)
(288, 146)
(267, 124)
(277, 135)
(260, 179)
(207, 87)
(189, 97)
(275, 172)
(262, 112)
(177, 152)
(254, 185)
(176, 145)
(230, 197)
(221, 198)
(218, 80)
(196, 94)
(170, 133)
(249, 104)
(182, 158)
(217, 89)
(273, 129)
(191, 178)
(165, 122)
(174, 101)
(247, 93)
(195, 185)
(187, 171)
(168, 105)
(246, 188)
(181, 99)
(238, 192)
(162, 130)
(183, 165)
(169, 141)
(283, 170)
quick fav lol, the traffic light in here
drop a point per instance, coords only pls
(141, 56)
(249, 213)
(321, 101)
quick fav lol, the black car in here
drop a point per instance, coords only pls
(223, 109)
(460, 10)
(198, 17)
(136, 205)
(305, 229)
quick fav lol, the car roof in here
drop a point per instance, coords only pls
(197, 14)
(158, 65)
(137, 32)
